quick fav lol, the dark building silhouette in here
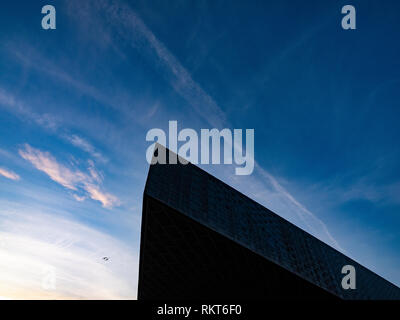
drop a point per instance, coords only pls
(201, 239)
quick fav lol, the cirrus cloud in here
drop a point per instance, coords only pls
(86, 146)
(71, 179)
(9, 174)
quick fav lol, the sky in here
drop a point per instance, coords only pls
(76, 104)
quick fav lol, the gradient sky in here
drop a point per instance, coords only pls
(76, 104)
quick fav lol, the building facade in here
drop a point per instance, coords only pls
(202, 239)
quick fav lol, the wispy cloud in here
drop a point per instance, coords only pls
(79, 198)
(35, 243)
(359, 187)
(86, 146)
(107, 199)
(140, 37)
(9, 174)
(72, 179)
(117, 98)
(47, 121)
(12, 104)
(45, 162)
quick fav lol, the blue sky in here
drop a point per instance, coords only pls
(76, 104)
